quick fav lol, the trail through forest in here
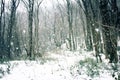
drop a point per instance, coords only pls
(55, 65)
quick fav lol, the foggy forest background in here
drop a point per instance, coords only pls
(29, 28)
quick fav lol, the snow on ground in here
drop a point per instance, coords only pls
(59, 65)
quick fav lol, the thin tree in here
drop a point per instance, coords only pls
(12, 23)
(70, 22)
(29, 4)
(36, 21)
(2, 28)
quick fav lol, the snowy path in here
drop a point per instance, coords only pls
(57, 65)
(58, 68)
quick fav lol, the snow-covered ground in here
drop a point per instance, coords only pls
(57, 65)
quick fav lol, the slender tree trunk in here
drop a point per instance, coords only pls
(70, 22)
(36, 22)
(1, 36)
(11, 25)
(30, 24)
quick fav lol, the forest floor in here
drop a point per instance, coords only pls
(60, 65)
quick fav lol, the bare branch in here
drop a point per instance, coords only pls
(17, 3)
(25, 3)
(39, 3)
(107, 26)
(80, 5)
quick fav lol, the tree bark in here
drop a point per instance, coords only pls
(109, 28)
(70, 22)
(30, 25)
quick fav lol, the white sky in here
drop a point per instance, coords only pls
(45, 4)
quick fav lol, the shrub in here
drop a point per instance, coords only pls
(92, 67)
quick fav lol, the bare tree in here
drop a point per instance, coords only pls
(87, 30)
(2, 28)
(70, 22)
(36, 21)
(109, 18)
(29, 4)
(12, 24)
(92, 33)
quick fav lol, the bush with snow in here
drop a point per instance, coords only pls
(89, 68)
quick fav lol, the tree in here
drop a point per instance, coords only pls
(109, 19)
(92, 33)
(29, 4)
(2, 29)
(87, 30)
(70, 22)
(12, 24)
(95, 29)
(36, 21)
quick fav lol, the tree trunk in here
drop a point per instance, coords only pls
(11, 25)
(30, 19)
(70, 22)
(109, 28)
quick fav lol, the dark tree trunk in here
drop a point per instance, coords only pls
(30, 19)
(109, 17)
(10, 28)
(2, 11)
(12, 24)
